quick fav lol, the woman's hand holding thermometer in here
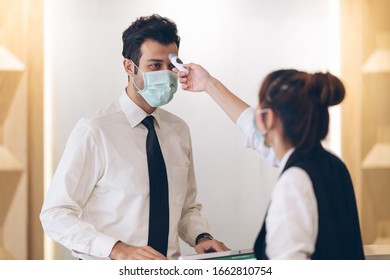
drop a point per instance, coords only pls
(177, 63)
(196, 81)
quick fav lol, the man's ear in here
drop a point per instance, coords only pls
(129, 67)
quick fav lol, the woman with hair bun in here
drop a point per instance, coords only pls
(312, 212)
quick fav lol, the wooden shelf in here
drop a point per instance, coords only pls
(4, 8)
(10, 172)
(11, 70)
(9, 62)
(5, 255)
(21, 95)
(365, 67)
(8, 162)
(378, 157)
(379, 60)
(377, 252)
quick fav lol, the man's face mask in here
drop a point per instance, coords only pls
(159, 86)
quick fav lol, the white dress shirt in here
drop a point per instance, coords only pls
(246, 122)
(100, 191)
(292, 217)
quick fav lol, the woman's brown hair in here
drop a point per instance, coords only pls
(301, 101)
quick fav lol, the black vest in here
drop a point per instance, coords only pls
(338, 223)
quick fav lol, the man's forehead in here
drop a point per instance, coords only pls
(156, 51)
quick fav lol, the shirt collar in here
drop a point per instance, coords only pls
(134, 114)
(285, 158)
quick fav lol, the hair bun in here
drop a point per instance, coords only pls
(326, 88)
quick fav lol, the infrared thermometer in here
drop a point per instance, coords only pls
(177, 63)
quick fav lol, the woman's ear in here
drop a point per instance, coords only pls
(271, 119)
(266, 120)
(259, 121)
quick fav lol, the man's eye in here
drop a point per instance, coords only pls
(155, 66)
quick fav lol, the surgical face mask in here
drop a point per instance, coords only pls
(159, 87)
(266, 151)
(260, 136)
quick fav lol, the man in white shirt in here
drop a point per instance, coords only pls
(98, 203)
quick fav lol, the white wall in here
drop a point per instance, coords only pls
(238, 41)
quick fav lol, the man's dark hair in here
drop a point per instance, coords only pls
(154, 27)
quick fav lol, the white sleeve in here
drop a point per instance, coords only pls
(192, 223)
(71, 186)
(245, 122)
(292, 219)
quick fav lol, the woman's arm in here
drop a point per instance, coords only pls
(200, 80)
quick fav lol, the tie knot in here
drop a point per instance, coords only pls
(148, 122)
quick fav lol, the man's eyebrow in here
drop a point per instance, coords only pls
(155, 60)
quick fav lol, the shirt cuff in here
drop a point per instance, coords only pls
(245, 119)
(102, 246)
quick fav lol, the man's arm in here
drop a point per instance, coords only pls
(193, 228)
(71, 187)
(205, 243)
(122, 251)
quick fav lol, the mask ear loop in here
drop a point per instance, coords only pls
(261, 112)
(131, 78)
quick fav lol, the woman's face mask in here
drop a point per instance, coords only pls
(260, 135)
(159, 87)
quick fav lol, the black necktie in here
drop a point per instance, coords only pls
(158, 182)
